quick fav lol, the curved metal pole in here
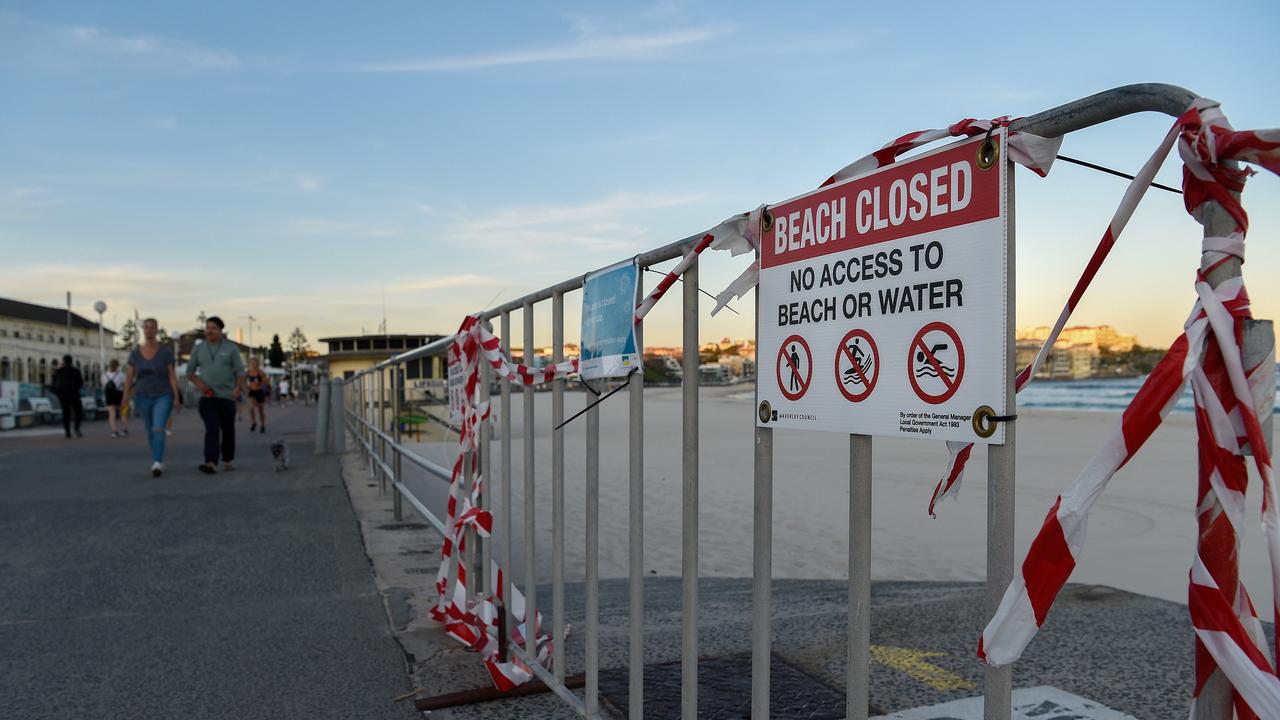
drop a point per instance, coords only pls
(1105, 106)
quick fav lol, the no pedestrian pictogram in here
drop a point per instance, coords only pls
(794, 367)
(857, 365)
(935, 362)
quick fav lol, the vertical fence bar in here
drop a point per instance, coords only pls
(505, 429)
(530, 519)
(592, 649)
(557, 489)
(486, 476)
(397, 391)
(382, 426)
(998, 691)
(858, 691)
(635, 563)
(762, 574)
(689, 524)
(338, 416)
(469, 535)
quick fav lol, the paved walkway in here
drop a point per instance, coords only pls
(244, 595)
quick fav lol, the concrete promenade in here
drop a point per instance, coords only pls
(241, 595)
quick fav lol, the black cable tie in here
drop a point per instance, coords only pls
(610, 394)
(704, 292)
(1117, 173)
(1003, 418)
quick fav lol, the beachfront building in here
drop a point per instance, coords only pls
(1103, 337)
(33, 339)
(349, 354)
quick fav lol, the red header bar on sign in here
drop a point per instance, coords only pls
(933, 192)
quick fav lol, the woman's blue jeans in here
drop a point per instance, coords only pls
(154, 412)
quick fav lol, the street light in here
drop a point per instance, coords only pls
(101, 307)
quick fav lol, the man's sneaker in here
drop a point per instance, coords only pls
(253, 427)
(228, 467)
(264, 429)
(156, 469)
(115, 435)
(125, 431)
(208, 468)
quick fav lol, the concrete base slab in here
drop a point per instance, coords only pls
(1037, 703)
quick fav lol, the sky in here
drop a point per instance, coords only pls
(325, 165)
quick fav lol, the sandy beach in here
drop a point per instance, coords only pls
(1141, 535)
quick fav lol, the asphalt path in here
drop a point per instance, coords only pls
(245, 594)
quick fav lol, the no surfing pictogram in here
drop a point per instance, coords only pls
(794, 367)
(857, 365)
(935, 362)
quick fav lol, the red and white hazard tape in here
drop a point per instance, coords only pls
(741, 233)
(474, 623)
(1228, 400)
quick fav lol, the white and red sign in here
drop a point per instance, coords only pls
(883, 300)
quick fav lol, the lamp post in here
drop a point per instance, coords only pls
(101, 307)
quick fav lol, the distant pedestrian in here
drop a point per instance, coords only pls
(284, 390)
(217, 370)
(256, 380)
(151, 374)
(67, 383)
(113, 382)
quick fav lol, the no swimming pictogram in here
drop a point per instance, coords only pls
(857, 365)
(935, 362)
(794, 367)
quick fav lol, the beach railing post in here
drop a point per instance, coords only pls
(858, 670)
(382, 429)
(592, 639)
(338, 416)
(689, 524)
(504, 422)
(530, 494)
(323, 416)
(762, 573)
(485, 431)
(998, 681)
(1215, 700)
(557, 489)
(397, 390)
(635, 563)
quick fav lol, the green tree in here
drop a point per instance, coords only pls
(129, 336)
(298, 348)
(275, 356)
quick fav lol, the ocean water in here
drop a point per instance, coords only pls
(1099, 394)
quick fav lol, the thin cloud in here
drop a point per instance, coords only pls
(588, 46)
(168, 52)
(438, 283)
(318, 227)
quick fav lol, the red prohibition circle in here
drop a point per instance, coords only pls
(843, 352)
(784, 360)
(918, 343)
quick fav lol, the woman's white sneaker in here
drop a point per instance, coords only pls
(156, 469)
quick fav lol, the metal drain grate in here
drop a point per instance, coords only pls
(724, 691)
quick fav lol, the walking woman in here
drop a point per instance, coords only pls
(113, 393)
(257, 382)
(151, 374)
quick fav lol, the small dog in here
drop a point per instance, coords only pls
(280, 454)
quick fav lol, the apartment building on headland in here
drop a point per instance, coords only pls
(33, 339)
(1078, 353)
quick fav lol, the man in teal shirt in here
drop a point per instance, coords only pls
(217, 370)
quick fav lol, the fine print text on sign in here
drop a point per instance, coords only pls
(608, 322)
(883, 301)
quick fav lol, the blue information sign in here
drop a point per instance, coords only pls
(608, 322)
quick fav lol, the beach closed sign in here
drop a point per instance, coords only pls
(883, 301)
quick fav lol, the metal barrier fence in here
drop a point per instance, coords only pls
(371, 405)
